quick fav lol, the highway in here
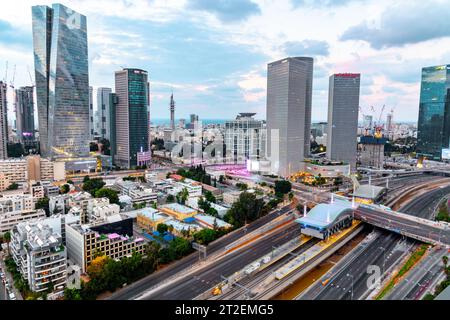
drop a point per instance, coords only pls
(382, 248)
(186, 288)
(252, 281)
(421, 278)
(136, 288)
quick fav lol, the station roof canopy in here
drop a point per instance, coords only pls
(367, 191)
(324, 215)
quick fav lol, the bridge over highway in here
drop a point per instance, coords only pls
(424, 230)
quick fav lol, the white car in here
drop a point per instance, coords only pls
(12, 296)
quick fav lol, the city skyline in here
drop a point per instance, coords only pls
(216, 65)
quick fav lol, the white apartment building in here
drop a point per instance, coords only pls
(244, 138)
(40, 257)
(17, 208)
(136, 191)
(193, 187)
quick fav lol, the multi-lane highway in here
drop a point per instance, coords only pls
(133, 290)
(191, 286)
(421, 278)
(383, 249)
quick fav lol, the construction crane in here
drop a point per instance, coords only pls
(31, 78)
(6, 73)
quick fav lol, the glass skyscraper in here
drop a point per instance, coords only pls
(62, 81)
(25, 115)
(433, 133)
(132, 116)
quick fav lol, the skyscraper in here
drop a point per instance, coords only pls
(25, 115)
(3, 121)
(289, 95)
(433, 132)
(62, 82)
(172, 113)
(103, 113)
(343, 105)
(132, 123)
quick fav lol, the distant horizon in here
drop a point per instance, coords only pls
(210, 120)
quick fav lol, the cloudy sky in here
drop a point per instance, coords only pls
(213, 53)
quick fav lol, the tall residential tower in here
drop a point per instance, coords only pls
(343, 106)
(3, 121)
(289, 95)
(62, 81)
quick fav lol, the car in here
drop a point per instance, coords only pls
(12, 296)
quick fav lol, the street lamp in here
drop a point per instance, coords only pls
(351, 276)
(384, 257)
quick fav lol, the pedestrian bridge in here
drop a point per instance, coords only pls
(434, 232)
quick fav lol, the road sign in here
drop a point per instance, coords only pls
(198, 247)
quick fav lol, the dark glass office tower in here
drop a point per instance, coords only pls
(132, 125)
(25, 115)
(62, 82)
(433, 133)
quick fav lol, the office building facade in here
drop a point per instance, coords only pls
(132, 116)
(433, 131)
(289, 95)
(244, 138)
(62, 81)
(103, 113)
(25, 115)
(343, 107)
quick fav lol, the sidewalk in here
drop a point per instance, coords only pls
(9, 277)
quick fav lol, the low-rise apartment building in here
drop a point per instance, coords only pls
(40, 257)
(17, 208)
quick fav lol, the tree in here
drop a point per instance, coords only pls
(70, 182)
(93, 185)
(291, 196)
(13, 186)
(65, 188)
(445, 261)
(205, 236)
(96, 266)
(246, 209)
(7, 238)
(43, 203)
(282, 186)
(242, 186)
(112, 195)
(137, 206)
(210, 197)
(86, 178)
(162, 228)
(182, 196)
(170, 198)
